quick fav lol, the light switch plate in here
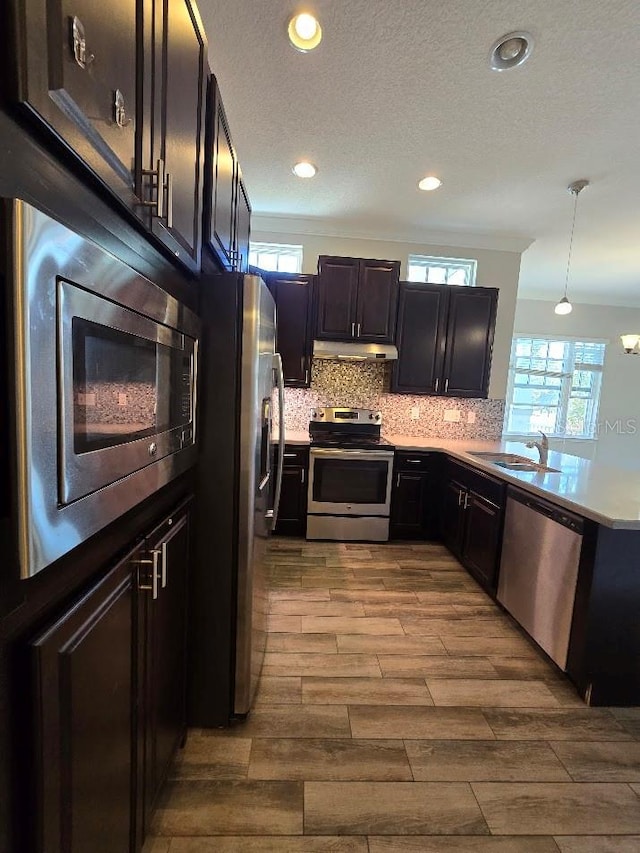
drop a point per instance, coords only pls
(415, 413)
(452, 416)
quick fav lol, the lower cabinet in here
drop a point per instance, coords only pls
(109, 711)
(414, 498)
(162, 650)
(471, 519)
(292, 514)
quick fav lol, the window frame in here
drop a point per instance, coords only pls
(567, 385)
(277, 250)
(470, 265)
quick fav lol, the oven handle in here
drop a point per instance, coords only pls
(325, 453)
(277, 366)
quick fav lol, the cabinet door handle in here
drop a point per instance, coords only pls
(359, 327)
(446, 386)
(460, 497)
(397, 481)
(302, 475)
(353, 330)
(153, 562)
(165, 545)
(306, 376)
(159, 183)
(437, 384)
(289, 455)
(414, 461)
(466, 500)
(169, 200)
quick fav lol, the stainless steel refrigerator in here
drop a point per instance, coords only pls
(237, 494)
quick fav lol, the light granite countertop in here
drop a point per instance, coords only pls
(609, 496)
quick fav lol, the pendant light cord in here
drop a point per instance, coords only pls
(573, 227)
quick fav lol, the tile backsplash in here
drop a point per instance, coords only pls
(365, 386)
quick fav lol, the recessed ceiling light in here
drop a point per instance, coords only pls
(510, 51)
(430, 183)
(304, 169)
(305, 32)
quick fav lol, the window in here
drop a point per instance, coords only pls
(554, 387)
(275, 257)
(442, 270)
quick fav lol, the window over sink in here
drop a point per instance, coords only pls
(433, 270)
(276, 257)
(554, 387)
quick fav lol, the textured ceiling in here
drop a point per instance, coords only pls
(402, 88)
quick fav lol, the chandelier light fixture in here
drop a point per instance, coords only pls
(564, 306)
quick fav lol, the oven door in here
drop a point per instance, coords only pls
(350, 482)
(126, 391)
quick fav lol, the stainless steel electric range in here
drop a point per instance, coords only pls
(350, 475)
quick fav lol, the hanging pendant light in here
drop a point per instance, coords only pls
(564, 306)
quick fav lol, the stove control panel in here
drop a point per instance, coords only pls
(340, 415)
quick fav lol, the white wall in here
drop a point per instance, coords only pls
(496, 268)
(618, 443)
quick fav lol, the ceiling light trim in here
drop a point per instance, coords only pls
(300, 42)
(502, 58)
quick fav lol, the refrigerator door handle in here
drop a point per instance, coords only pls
(277, 366)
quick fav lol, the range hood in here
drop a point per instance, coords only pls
(347, 351)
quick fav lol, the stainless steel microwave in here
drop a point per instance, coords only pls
(106, 370)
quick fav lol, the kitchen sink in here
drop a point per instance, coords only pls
(513, 462)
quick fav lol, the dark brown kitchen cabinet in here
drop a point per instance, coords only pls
(471, 520)
(175, 173)
(109, 699)
(227, 220)
(120, 87)
(293, 295)
(74, 73)
(243, 226)
(414, 496)
(445, 340)
(470, 331)
(420, 338)
(481, 545)
(220, 184)
(84, 671)
(452, 516)
(357, 299)
(292, 513)
(164, 644)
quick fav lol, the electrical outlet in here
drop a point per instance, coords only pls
(415, 413)
(471, 417)
(452, 416)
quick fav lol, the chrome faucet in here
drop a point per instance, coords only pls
(543, 448)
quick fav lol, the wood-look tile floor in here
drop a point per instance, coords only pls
(401, 710)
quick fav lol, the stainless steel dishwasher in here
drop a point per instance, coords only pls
(539, 570)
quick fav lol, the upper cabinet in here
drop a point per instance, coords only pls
(357, 299)
(76, 73)
(174, 176)
(445, 340)
(120, 87)
(293, 295)
(421, 338)
(227, 207)
(470, 331)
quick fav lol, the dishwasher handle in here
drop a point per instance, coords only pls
(554, 513)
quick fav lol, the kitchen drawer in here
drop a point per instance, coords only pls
(296, 454)
(416, 462)
(484, 485)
